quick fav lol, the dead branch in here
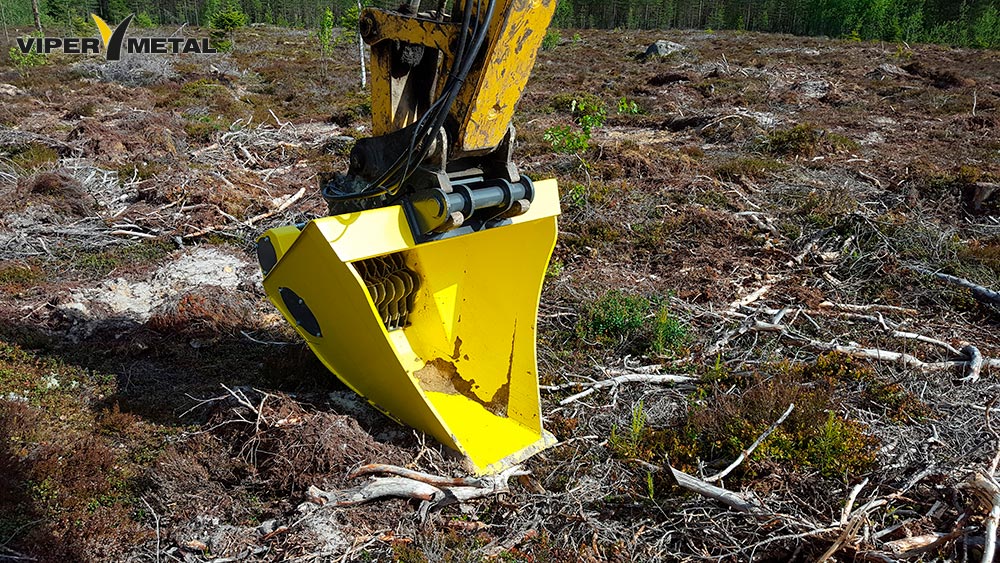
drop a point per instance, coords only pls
(853, 308)
(926, 340)
(846, 513)
(691, 483)
(754, 296)
(979, 292)
(850, 530)
(415, 485)
(728, 498)
(377, 488)
(975, 363)
(746, 453)
(876, 354)
(988, 490)
(123, 233)
(616, 381)
(908, 547)
(285, 205)
(428, 478)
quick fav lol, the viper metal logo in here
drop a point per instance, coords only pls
(114, 43)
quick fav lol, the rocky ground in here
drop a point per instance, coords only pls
(763, 216)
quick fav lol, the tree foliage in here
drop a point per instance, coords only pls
(974, 23)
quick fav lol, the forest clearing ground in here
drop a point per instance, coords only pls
(770, 199)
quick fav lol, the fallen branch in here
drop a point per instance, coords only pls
(850, 530)
(748, 299)
(876, 354)
(979, 292)
(988, 489)
(430, 479)
(249, 222)
(434, 491)
(285, 205)
(122, 233)
(746, 453)
(728, 498)
(614, 382)
(926, 340)
(853, 308)
(976, 361)
(694, 484)
(909, 547)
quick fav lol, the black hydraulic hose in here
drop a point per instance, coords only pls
(420, 142)
(421, 132)
(460, 79)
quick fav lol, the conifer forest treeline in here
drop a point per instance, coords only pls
(974, 23)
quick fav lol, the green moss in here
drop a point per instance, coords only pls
(15, 277)
(201, 129)
(103, 262)
(202, 89)
(142, 170)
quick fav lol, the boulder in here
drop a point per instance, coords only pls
(663, 48)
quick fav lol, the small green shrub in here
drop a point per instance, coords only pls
(349, 25)
(224, 23)
(82, 26)
(325, 33)
(613, 316)
(577, 195)
(589, 115)
(551, 39)
(814, 436)
(669, 333)
(628, 445)
(628, 107)
(801, 140)
(566, 139)
(228, 20)
(554, 270)
(23, 61)
(587, 109)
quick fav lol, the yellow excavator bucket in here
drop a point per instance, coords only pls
(439, 335)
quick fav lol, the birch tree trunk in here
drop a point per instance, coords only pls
(361, 50)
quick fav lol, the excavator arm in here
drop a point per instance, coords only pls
(420, 290)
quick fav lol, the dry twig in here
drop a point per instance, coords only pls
(614, 382)
(746, 453)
